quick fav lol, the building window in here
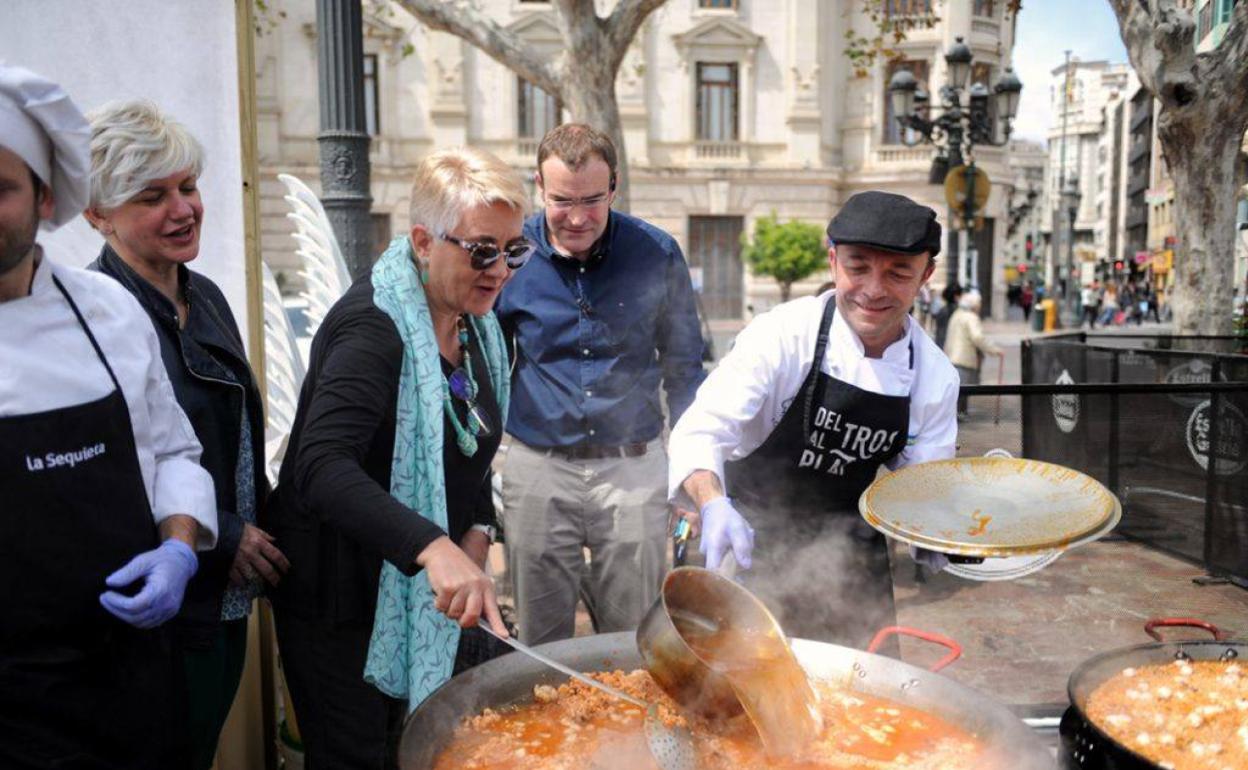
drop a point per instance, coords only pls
(730, 4)
(715, 264)
(717, 102)
(372, 108)
(1204, 20)
(985, 8)
(892, 131)
(908, 7)
(1224, 10)
(536, 110)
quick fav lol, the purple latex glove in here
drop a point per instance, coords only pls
(724, 528)
(933, 560)
(165, 571)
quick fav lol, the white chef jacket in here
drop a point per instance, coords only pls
(47, 362)
(742, 401)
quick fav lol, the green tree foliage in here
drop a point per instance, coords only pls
(788, 251)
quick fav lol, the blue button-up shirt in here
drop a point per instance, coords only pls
(593, 340)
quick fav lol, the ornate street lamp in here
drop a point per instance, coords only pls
(959, 57)
(957, 129)
(1009, 90)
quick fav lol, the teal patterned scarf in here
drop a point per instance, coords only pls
(412, 650)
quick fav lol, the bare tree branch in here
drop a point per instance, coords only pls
(624, 23)
(500, 43)
(1160, 40)
(581, 28)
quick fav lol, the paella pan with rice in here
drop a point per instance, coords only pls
(865, 711)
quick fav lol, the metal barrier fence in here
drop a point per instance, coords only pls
(1162, 421)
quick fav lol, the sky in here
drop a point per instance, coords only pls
(1046, 28)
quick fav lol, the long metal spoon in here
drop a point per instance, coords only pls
(671, 747)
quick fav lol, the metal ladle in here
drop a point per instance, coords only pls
(671, 746)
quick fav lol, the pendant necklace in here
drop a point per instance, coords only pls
(462, 384)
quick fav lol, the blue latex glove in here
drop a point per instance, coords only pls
(724, 528)
(165, 571)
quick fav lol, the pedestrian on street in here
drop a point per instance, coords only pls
(1126, 301)
(1026, 299)
(1110, 304)
(1149, 296)
(924, 305)
(966, 345)
(145, 201)
(950, 297)
(1089, 300)
(105, 503)
(383, 504)
(602, 317)
(815, 396)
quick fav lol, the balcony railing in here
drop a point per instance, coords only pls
(903, 154)
(705, 150)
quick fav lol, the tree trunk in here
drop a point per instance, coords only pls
(1202, 118)
(1204, 213)
(582, 76)
(786, 289)
(589, 95)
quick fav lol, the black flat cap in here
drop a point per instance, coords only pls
(886, 221)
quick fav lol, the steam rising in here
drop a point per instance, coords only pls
(816, 579)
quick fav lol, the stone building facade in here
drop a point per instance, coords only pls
(731, 109)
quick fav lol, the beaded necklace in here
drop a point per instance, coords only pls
(463, 385)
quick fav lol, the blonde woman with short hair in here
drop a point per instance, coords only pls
(384, 500)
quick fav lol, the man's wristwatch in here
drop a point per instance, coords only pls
(490, 531)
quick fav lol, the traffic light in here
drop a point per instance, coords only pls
(1118, 266)
(1022, 267)
(1029, 247)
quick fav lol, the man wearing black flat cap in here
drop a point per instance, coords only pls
(775, 451)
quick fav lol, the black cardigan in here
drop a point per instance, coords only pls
(332, 512)
(208, 369)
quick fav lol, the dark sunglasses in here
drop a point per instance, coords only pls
(483, 255)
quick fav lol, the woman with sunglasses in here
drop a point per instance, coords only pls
(384, 504)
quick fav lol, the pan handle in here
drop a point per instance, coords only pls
(1151, 627)
(955, 649)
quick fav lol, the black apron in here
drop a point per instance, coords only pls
(818, 566)
(78, 687)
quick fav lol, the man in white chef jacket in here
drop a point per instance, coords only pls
(102, 499)
(774, 452)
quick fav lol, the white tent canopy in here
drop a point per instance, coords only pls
(180, 55)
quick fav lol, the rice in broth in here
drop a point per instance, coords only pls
(577, 727)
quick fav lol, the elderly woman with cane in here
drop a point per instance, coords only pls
(966, 344)
(383, 504)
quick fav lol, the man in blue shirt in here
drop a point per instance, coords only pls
(601, 315)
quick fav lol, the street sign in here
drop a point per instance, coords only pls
(1156, 195)
(958, 182)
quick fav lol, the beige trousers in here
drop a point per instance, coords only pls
(554, 508)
